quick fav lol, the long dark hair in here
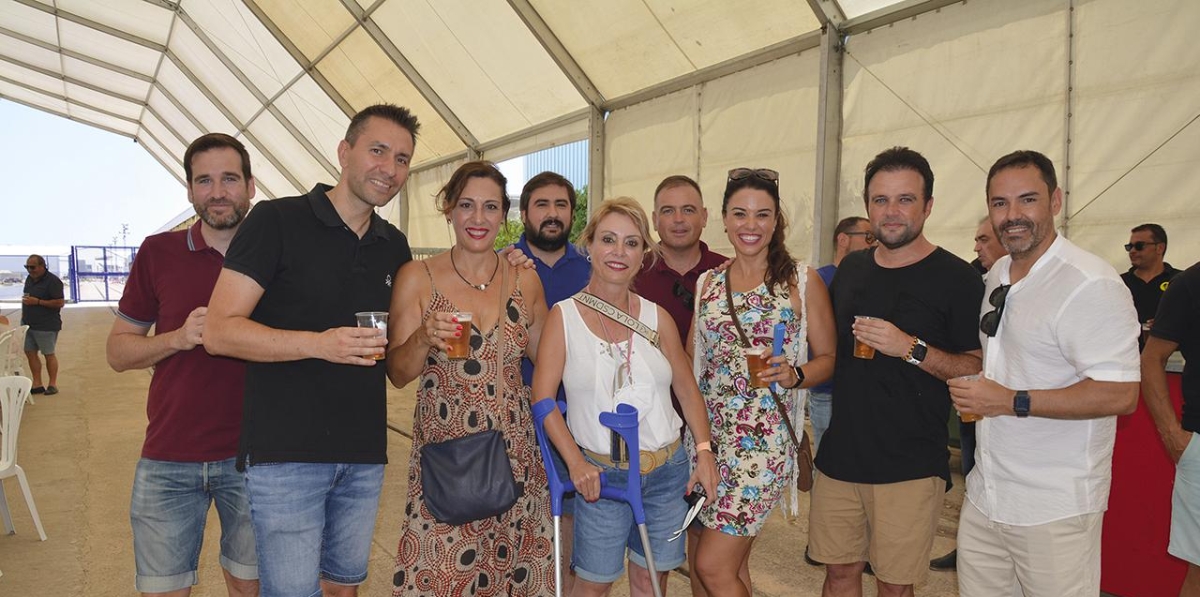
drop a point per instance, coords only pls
(781, 268)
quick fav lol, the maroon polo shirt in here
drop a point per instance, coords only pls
(195, 402)
(676, 291)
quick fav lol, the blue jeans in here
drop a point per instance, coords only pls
(820, 408)
(313, 521)
(605, 529)
(168, 511)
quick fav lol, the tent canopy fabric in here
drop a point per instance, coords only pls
(811, 88)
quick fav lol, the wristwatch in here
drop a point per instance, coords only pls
(1021, 404)
(799, 378)
(917, 352)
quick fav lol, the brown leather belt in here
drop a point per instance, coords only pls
(648, 460)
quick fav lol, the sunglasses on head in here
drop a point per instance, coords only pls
(766, 174)
(687, 296)
(990, 322)
(1139, 245)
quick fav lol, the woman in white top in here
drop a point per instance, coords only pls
(611, 363)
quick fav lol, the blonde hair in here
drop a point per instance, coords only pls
(625, 206)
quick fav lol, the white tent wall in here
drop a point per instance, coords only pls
(761, 117)
(1136, 97)
(963, 86)
(426, 225)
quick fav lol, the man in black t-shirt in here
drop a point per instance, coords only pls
(314, 441)
(884, 463)
(1177, 326)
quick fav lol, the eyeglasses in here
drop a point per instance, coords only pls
(766, 174)
(867, 236)
(688, 297)
(990, 322)
(31, 267)
(1139, 245)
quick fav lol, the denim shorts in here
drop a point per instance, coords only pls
(1185, 505)
(604, 529)
(43, 342)
(168, 511)
(313, 521)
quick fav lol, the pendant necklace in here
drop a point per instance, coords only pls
(481, 287)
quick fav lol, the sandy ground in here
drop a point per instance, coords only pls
(79, 449)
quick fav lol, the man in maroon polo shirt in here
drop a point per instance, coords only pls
(195, 402)
(679, 218)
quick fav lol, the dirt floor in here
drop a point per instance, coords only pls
(79, 449)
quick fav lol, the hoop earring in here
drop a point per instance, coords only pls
(589, 258)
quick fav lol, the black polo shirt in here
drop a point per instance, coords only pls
(40, 318)
(1178, 320)
(889, 417)
(316, 274)
(1147, 294)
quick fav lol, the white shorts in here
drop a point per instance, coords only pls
(1185, 505)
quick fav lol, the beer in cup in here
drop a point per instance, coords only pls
(460, 346)
(756, 362)
(377, 320)
(863, 350)
(969, 418)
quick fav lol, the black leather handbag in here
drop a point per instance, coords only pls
(468, 478)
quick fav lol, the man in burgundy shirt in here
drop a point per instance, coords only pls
(195, 401)
(679, 218)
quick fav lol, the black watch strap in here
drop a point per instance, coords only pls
(799, 378)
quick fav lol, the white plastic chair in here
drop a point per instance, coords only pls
(12, 353)
(13, 392)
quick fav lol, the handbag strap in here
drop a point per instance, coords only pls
(612, 312)
(787, 421)
(502, 331)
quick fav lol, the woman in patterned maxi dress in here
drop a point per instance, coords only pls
(755, 455)
(509, 554)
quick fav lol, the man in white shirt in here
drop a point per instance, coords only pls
(1060, 361)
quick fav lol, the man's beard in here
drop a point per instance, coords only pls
(1018, 248)
(909, 234)
(226, 223)
(546, 242)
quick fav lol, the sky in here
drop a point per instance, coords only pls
(68, 183)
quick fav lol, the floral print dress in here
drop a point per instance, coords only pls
(755, 457)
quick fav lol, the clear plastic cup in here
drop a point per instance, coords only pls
(377, 320)
(863, 350)
(969, 418)
(460, 346)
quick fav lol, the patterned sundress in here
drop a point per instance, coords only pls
(511, 554)
(755, 457)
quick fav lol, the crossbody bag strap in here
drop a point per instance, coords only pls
(612, 312)
(787, 421)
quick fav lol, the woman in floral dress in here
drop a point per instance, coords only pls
(509, 554)
(755, 456)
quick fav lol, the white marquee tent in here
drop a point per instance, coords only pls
(1109, 89)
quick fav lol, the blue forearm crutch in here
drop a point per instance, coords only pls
(625, 422)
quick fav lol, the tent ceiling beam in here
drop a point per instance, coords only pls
(558, 52)
(165, 166)
(308, 66)
(906, 9)
(242, 127)
(268, 104)
(828, 12)
(423, 87)
(829, 147)
(77, 55)
(67, 116)
(770, 53)
(68, 100)
(534, 130)
(78, 20)
(68, 79)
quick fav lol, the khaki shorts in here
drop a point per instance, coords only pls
(891, 525)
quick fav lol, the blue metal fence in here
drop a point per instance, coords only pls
(99, 273)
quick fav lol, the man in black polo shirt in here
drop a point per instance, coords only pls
(883, 461)
(1148, 275)
(41, 310)
(313, 439)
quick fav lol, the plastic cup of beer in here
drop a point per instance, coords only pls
(967, 417)
(377, 320)
(863, 350)
(460, 346)
(756, 363)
